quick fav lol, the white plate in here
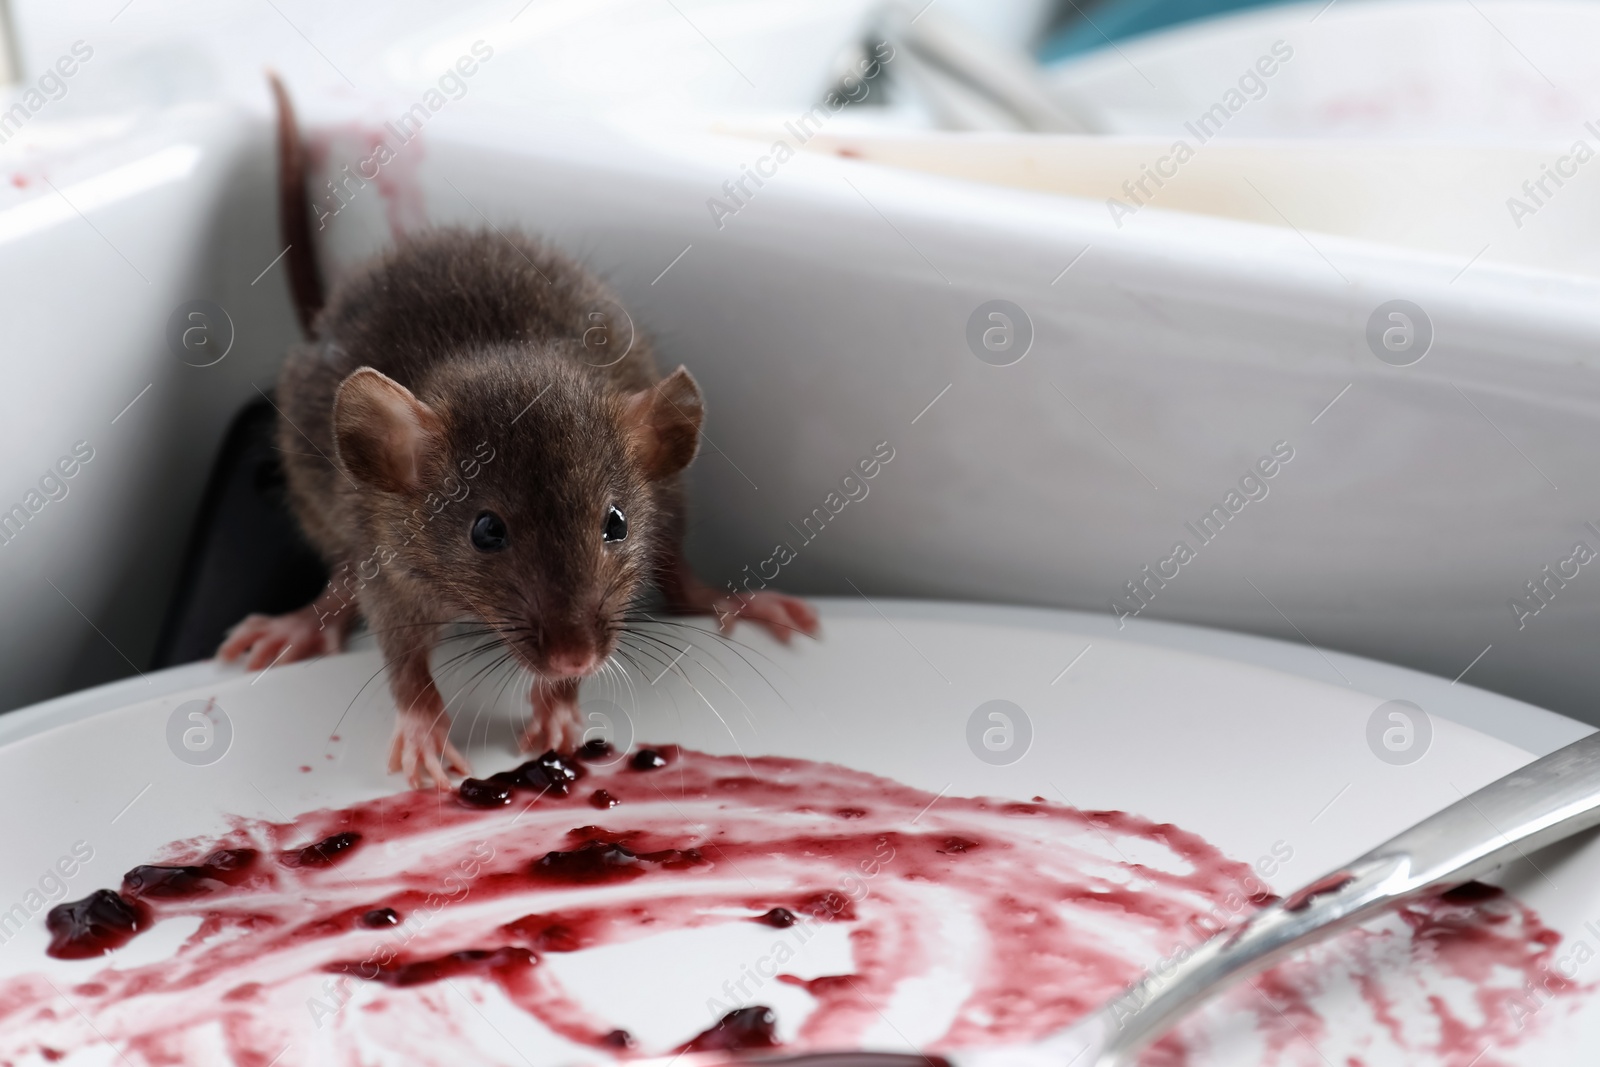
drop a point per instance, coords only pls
(1273, 769)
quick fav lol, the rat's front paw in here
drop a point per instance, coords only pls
(782, 615)
(422, 750)
(555, 722)
(271, 639)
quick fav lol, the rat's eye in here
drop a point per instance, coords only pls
(616, 527)
(489, 533)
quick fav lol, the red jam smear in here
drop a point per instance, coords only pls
(473, 961)
(401, 894)
(222, 868)
(325, 853)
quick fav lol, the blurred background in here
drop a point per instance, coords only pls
(1358, 234)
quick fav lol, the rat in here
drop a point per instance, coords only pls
(460, 442)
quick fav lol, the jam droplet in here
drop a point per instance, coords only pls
(592, 861)
(746, 1028)
(1471, 893)
(420, 972)
(597, 748)
(602, 860)
(618, 1039)
(648, 759)
(378, 918)
(324, 853)
(173, 883)
(550, 773)
(782, 918)
(93, 926)
(601, 799)
(228, 866)
(481, 793)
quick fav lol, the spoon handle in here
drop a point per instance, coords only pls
(1549, 799)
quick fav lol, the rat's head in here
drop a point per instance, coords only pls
(533, 502)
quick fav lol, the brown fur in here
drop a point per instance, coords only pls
(466, 373)
(294, 212)
(486, 331)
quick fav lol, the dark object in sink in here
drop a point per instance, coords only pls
(245, 552)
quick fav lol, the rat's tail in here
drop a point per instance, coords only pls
(294, 213)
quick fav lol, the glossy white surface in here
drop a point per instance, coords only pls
(830, 313)
(1347, 188)
(146, 213)
(1523, 726)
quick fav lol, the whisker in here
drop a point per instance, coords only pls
(731, 644)
(690, 645)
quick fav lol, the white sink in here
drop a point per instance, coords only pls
(830, 312)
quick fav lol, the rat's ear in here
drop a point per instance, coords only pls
(381, 432)
(663, 424)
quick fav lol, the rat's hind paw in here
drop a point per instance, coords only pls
(781, 614)
(421, 749)
(263, 640)
(555, 724)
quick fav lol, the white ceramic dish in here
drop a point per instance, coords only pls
(1260, 762)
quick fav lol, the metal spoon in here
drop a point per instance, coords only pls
(1544, 802)
(966, 81)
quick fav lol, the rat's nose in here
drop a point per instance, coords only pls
(571, 662)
